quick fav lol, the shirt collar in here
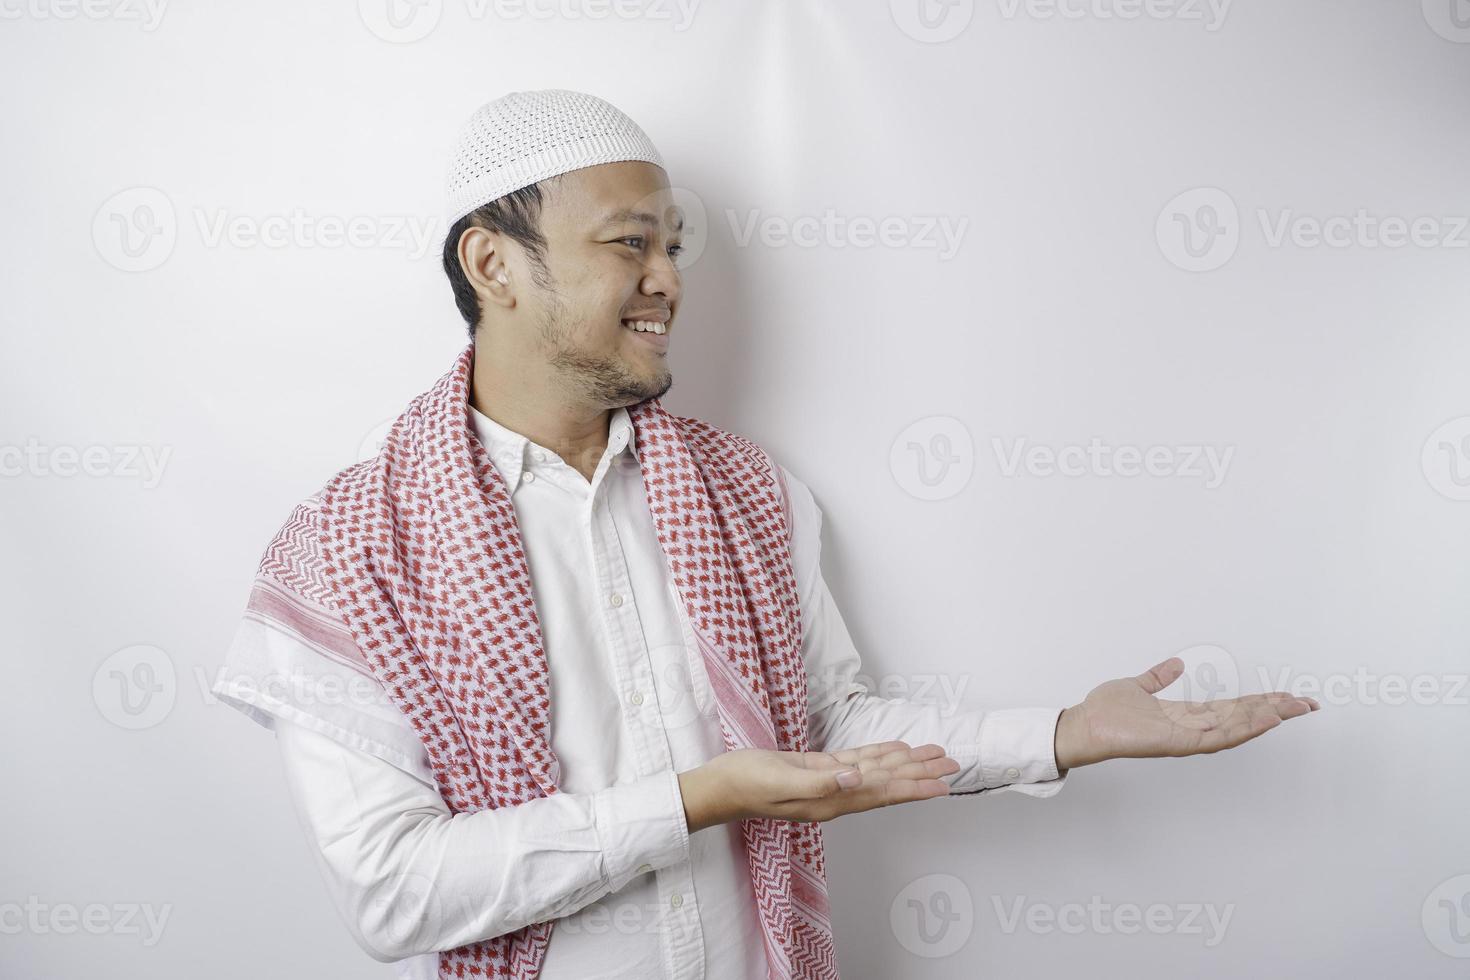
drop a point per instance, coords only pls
(512, 453)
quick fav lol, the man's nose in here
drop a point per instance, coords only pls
(662, 278)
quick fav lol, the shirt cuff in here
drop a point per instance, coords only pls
(641, 827)
(1017, 750)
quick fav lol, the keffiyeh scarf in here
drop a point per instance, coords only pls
(418, 551)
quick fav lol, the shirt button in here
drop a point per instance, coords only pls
(1013, 773)
(616, 599)
(677, 900)
(644, 868)
(539, 456)
(636, 697)
(529, 476)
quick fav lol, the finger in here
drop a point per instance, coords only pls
(1207, 716)
(931, 769)
(1282, 697)
(820, 761)
(888, 760)
(817, 783)
(842, 759)
(865, 798)
(1160, 675)
(827, 775)
(899, 757)
(823, 768)
(912, 790)
(1311, 703)
(874, 778)
(1291, 708)
(851, 757)
(1251, 720)
(1261, 717)
(922, 753)
(887, 792)
(929, 765)
(884, 752)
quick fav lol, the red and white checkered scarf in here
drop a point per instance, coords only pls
(421, 556)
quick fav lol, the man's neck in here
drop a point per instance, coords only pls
(538, 410)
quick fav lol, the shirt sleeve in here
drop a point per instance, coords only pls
(410, 878)
(998, 750)
(294, 662)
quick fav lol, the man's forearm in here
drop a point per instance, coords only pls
(385, 840)
(999, 749)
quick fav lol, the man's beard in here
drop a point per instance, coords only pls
(602, 378)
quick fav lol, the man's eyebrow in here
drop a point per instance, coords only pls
(639, 217)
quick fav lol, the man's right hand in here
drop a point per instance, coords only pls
(804, 785)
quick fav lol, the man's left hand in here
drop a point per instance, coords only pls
(1121, 719)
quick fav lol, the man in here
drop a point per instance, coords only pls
(558, 685)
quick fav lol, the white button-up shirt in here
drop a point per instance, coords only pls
(610, 857)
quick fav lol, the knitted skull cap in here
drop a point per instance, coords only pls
(523, 137)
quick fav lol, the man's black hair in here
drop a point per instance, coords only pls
(517, 216)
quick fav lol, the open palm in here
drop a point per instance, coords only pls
(805, 786)
(1122, 719)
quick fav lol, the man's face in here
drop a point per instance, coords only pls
(612, 234)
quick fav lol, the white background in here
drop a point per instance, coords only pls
(1060, 139)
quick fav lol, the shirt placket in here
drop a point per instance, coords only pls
(678, 912)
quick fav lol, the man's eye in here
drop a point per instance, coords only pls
(636, 241)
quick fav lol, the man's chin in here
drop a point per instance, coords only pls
(614, 380)
(658, 387)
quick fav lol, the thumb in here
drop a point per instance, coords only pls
(1160, 675)
(833, 781)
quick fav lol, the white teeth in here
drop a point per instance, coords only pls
(647, 326)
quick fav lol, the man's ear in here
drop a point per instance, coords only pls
(483, 260)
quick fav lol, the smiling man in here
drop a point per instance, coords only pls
(593, 333)
(558, 685)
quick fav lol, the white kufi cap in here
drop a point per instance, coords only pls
(525, 137)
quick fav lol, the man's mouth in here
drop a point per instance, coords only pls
(650, 333)
(647, 326)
